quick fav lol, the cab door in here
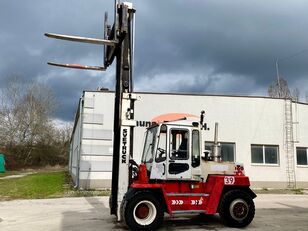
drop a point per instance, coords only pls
(179, 157)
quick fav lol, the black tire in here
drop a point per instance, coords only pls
(237, 209)
(143, 212)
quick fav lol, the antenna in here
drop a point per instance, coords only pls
(278, 78)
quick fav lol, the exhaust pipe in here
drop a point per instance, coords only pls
(216, 147)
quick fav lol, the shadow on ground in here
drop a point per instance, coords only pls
(98, 218)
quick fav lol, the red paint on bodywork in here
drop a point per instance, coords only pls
(142, 174)
(191, 195)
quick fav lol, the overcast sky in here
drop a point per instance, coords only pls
(193, 46)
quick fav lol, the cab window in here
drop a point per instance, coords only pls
(195, 160)
(162, 144)
(179, 144)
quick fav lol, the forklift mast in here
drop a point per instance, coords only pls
(118, 45)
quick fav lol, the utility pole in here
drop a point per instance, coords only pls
(278, 78)
(277, 67)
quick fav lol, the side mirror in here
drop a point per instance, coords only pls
(206, 155)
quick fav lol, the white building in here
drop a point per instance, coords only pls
(269, 136)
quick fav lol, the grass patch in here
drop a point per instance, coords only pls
(298, 191)
(41, 186)
(8, 173)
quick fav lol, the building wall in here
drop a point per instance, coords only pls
(242, 120)
(96, 147)
(75, 146)
(301, 136)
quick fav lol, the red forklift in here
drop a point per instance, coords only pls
(176, 175)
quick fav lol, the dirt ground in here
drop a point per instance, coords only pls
(273, 212)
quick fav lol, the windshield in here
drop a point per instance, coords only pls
(148, 150)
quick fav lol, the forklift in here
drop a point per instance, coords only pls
(176, 175)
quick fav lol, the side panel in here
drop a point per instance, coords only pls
(159, 171)
(216, 185)
(195, 197)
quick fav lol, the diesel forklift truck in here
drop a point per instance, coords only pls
(175, 175)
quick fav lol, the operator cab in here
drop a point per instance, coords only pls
(172, 151)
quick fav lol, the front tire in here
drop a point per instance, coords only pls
(237, 209)
(143, 212)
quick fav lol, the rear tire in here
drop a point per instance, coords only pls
(143, 212)
(237, 209)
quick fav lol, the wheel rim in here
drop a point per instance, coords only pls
(239, 209)
(145, 212)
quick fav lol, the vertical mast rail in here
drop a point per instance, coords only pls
(124, 108)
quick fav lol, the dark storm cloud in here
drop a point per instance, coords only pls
(239, 38)
(24, 50)
(223, 47)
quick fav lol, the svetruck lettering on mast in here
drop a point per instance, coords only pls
(124, 146)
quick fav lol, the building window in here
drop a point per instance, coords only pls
(302, 156)
(227, 150)
(264, 154)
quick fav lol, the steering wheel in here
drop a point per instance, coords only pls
(161, 150)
